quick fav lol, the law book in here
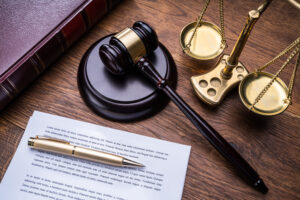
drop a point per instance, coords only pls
(34, 34)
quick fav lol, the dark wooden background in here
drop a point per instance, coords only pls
(271, 145)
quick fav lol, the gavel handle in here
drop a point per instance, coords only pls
(215, 139)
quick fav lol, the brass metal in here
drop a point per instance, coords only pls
(266, 84)
(30, 142)
(207, 41)
(51, 145)
(130, 163)
(204, 40)
(50, 139)
(272, 103)
(97, 156)
(253, 16)
(133, 43)
(295, 3)
(212, 87)
(198, 21)
(293, 77)
(62, 147)
(228, 71)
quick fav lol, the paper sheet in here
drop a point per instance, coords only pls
(38, 175)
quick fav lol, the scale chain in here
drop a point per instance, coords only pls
(292, 81)
(265, 89)
(221, 8)
(285, 51)
(199, 19)
(187, 47)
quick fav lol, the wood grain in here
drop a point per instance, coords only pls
(271, 145)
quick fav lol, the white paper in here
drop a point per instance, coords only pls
(38, 175)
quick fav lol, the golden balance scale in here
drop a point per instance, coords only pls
(204, 41)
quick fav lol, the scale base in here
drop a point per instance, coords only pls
(211, 87)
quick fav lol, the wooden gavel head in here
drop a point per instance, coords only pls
(127, 47)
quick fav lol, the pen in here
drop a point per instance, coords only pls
(64, 147)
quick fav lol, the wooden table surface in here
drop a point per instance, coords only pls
(271, 145)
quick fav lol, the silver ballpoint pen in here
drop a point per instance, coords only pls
(63, 147)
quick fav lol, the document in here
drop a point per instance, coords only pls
(40, 175)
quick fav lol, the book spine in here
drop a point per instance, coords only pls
(52, 50)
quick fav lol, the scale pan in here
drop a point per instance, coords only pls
(273, 102)
(207, 41)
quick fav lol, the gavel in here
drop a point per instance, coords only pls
(129, 49)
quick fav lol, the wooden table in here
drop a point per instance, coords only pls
(271, 145)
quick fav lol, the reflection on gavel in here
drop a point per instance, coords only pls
(129, 49)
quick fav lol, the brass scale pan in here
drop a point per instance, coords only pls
(273, 102)
(206, 43)
(265, 93)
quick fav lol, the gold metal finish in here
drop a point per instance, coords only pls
(50, 139)
(30, 142)
(293, 77)
(253, 16)
(51, 145)
(284, 52)
(266, 88)
(204, 40)
(272, 103)
(62, 147)
(228, 72)
(97, 156)
(130, 163)
(273, 97)
(221, 10)
(296, 3)
(133, 43)
(199, 19)
(207, 42)
(212, 87)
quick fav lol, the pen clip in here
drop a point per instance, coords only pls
(51, 139)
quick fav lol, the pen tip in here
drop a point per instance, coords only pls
(130, 163)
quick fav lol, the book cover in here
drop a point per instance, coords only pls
(34, 34)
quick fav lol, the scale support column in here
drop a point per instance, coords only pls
(212, 87)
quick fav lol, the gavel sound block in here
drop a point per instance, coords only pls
(130, 50)
(129, 97)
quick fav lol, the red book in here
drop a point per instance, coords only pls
(33, 34)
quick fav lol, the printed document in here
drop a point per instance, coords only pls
(39, 175)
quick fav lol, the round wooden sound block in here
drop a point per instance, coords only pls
(129, 97)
